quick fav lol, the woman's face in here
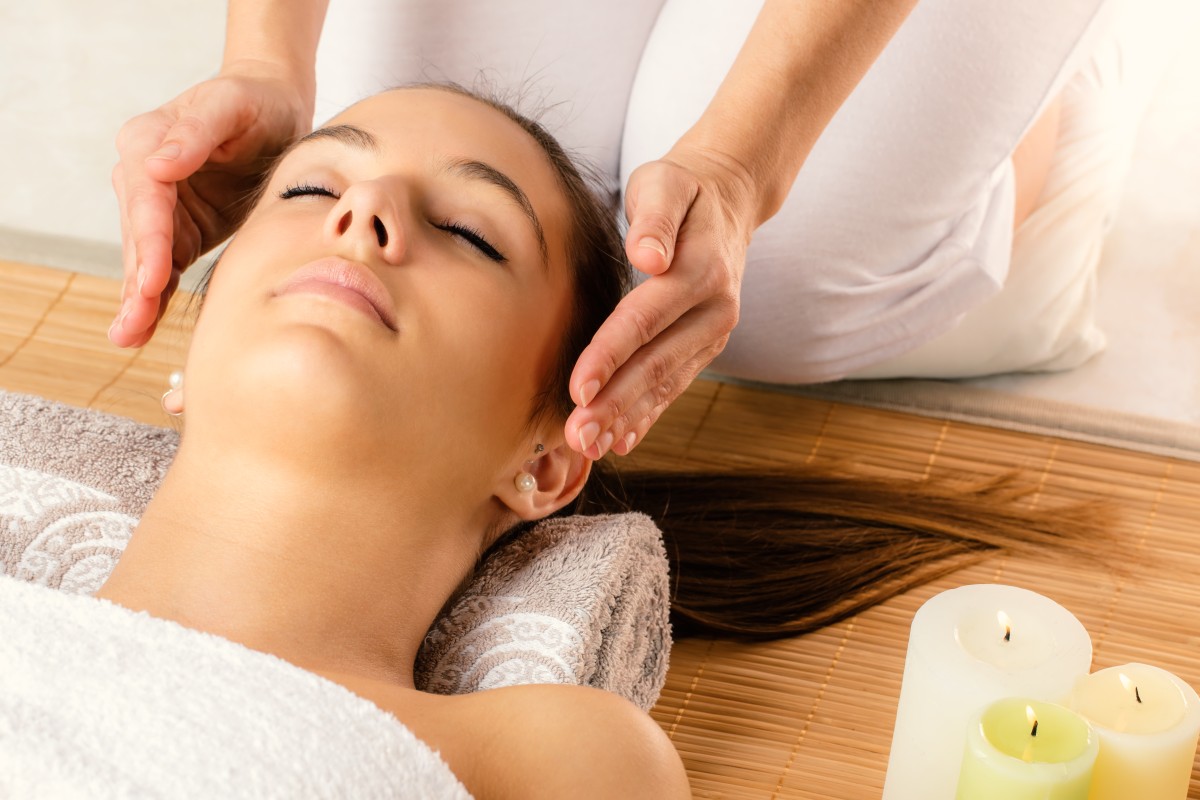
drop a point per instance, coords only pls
(454, 215)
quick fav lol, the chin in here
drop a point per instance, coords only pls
(307, 372)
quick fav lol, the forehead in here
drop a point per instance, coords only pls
(437, 124)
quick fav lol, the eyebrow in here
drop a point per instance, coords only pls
(478, 170)
(349, 135)
(360, 139)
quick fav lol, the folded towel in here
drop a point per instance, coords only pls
(580, 600)
(605, 623)
(100, 701)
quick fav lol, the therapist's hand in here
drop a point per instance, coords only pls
(690, 217)
(185, 176)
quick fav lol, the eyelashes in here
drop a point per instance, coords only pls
(474, 238)
(306, 189)
(466, 233)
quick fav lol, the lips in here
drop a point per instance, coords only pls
(348, 282)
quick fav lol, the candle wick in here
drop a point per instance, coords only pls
(1034, 731)
(1008, 634)
(1137, 694)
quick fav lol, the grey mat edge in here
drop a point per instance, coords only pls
(948, 400)
(101, 259)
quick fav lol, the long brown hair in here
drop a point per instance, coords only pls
(773, 552)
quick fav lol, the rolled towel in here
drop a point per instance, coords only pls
(571, 601)
(100, 701)
(580, 599)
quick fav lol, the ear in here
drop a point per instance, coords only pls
(560, 474)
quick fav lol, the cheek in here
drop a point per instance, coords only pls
(491, 365)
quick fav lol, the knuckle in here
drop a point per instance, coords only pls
(140, 199)
(717, 347)
(658, 367)
(128, 131)
(187, 125)
(622, 423)
(656, 412)
(611, 409)
(658, 224)
(715, 280)
(729, 311)
(663, 393)
(603, 356)
(710, 283)
(644, 323)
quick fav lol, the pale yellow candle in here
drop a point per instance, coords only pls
(1020, 749)
(1147, 721)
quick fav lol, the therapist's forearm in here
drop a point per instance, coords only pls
(280, 33)
(798, 65)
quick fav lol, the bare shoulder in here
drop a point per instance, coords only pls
(576, 741)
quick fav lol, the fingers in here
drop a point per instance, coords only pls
(190, 141)
(641, 315)
(638, 393)
(657, 200)
(157, 150)
(193, 216)
(141, 321)
(650, 408)
(147, 206)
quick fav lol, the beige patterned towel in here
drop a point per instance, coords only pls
(578, 600)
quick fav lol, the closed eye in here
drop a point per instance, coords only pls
(473, 238)
(303, 189)
(464, 232)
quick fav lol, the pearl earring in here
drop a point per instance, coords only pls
(525, 482)
(176, 381)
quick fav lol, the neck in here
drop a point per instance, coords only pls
(344, 573)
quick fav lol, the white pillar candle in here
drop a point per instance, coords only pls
(969, 647)
(1148, 721)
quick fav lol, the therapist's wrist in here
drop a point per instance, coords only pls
(730, 178)
(297, 84)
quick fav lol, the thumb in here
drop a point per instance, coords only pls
(192, 138)
(657, 202)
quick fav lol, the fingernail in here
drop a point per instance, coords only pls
(651, 243)
(141, 277)
(589, 392)
(588, 434)
(168, 152)
(121, 317)
(629, 439)
(603, 443)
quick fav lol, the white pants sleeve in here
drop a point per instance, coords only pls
(567, 63)
(900, 221)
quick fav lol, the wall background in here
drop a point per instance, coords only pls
(71, 73)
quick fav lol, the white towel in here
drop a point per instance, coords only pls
(100, 701)
(578, 600)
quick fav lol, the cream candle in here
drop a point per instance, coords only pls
(967, 648)
(1147, 721)
(1021, 749)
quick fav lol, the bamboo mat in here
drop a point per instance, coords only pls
(809, 717)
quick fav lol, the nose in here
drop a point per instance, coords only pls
(365, 224)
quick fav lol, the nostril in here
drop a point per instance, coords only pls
(380, 232)
(344, 222)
